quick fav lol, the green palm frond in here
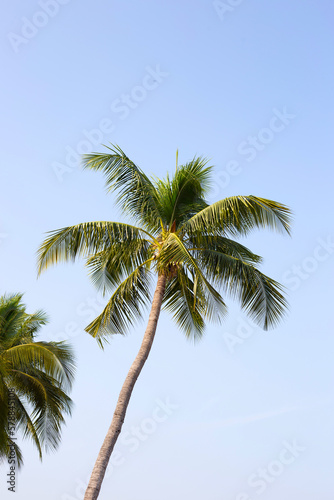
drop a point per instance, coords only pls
(259, 295)
(4, 451)
(238, 215)
(4, 437)
(36, 374)
(186, 301)
(49, 416)
(183, 195)
(47, 402)
(12, 313)
(84, 240)
(111, 266)
(27, 328)
(175, 252)
(25, 423)
(224, 245)
(7, 444)
(55, 358)
(136, 193)
(124, 307)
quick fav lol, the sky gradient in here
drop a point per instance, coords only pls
(249, 84)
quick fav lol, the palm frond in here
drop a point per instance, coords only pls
(224, 245)
(5, 450)
(48, 404)
(28, 328)
(48, 419)
(174, 251)
(25, 423)
(36, 374)
(55, 358)
(238, 215)
(85, 239)
(260, 296)
(124, 307)
(186, 301)
(111, 266)
(183, 195)
(12, 312)
(136, 193)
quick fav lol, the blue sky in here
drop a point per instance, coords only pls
(249, 85)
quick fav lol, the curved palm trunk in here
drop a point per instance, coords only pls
(109, 442)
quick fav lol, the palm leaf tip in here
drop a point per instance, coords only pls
(271, 213)
(264, 302)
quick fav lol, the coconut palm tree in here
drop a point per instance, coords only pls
(33, 379)
(184, 242)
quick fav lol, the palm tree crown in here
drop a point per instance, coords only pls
(34, 375)
(178, 234)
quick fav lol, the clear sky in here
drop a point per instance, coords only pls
(243, 413)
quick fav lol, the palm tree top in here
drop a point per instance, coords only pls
(175, 232)
(36, 374)
(155, 202)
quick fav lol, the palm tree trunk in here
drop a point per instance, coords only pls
(109, 442)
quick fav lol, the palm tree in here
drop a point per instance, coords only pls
(33, 378)
(181, 240)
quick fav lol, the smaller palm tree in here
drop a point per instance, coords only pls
(33, 379)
